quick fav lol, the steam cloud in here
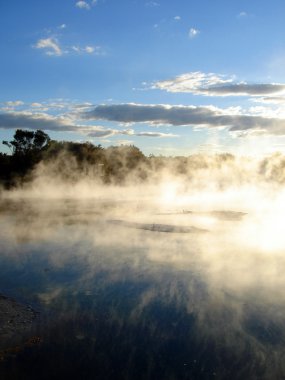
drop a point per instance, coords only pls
(231, 272)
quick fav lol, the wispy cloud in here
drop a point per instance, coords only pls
(88, 49)
(55, 106)
(156, 134)
(52, 47)
(49, 45)
(124, 142)
(108, 132)
(193, 33)
(270, 100)
(103, 132)
(14, 103)
(177, 18)
(211, 84)
(36, 105)
(242, 14)
(152, 4)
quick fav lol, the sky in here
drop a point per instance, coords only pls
(170, 77)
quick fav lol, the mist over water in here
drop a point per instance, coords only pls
(178, 277)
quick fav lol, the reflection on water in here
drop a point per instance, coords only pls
(120, 301)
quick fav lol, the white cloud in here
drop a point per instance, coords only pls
(211, 84)
(76, 49)
(88, 49)
(51, 46)
(36, 105)
(194, 82)
(82, 5)
(193, 33)
(85, 4)
(270, 100)
(62, 26)
(177, 18)
(14, 103)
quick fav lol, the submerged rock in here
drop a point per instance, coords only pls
(158, 227)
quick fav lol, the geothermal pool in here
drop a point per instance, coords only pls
(127, 289)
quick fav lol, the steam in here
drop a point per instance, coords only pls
(148, 227)
(239, 201)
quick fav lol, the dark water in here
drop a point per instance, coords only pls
(117, 302)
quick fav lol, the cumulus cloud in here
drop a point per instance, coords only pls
(193, 33)
(211, 84)
(204, 116)
(50, 45)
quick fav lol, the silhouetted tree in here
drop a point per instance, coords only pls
(25, 142)
(26, 148)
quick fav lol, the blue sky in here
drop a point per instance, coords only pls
(171, 77)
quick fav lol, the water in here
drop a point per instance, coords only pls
(120, 300)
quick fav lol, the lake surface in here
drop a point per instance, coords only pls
(130, 290)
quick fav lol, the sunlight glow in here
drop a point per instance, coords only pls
(169, 192)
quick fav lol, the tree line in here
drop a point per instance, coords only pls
(32, 152)
(70, 160)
